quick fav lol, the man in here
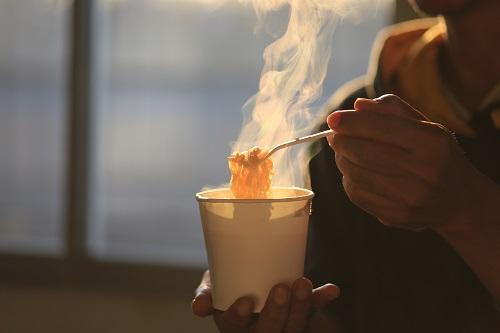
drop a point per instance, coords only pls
(406, 217)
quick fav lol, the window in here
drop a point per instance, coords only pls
(33, 61)
(168, 79)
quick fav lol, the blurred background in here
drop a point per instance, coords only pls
(113, 113)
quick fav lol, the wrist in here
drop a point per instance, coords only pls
(478, 207)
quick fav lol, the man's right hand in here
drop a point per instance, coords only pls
(286, 309)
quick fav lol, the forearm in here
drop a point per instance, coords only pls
(475, 235)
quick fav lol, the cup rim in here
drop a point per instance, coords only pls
(307, 194)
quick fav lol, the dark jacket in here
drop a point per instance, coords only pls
(394, 280)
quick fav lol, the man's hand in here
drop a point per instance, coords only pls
(402, 168)
(286, 309)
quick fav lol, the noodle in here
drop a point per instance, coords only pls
(251, 174)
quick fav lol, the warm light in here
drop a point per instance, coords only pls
(202, 2)
(295, 65)
(169, 3)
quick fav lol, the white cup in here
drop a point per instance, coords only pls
(254, 244)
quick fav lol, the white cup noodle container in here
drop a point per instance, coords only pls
(254, 244)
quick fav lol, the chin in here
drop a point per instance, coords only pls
(442, 7)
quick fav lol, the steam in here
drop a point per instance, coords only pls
(295, 67)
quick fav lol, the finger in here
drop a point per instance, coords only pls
(300, 305)
(323, 295)
(399, 191)
(405, 193)
(202, 302)
(376, 126)
(387, 190)
(372, 203)
(390, 104)
(275, 312)
(374, 156)
(364, 179)
(237, 317)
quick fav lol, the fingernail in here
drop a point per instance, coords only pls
(280, 295)
(333, 294)
(244, 308)
(302, 292)
(333, 120)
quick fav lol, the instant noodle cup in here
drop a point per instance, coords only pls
(254, 244)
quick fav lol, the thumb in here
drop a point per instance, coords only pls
(323, 295)
(202, 302)
(389, 104)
